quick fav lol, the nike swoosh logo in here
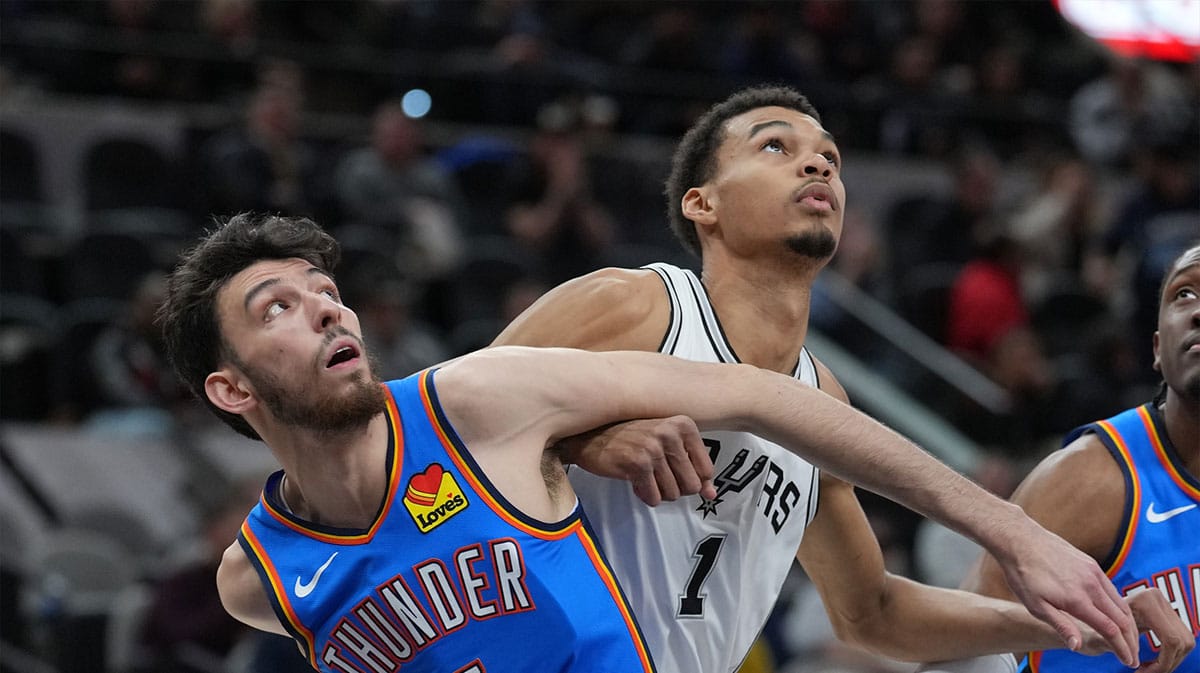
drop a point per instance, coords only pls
(306, 588)
(1159, 517)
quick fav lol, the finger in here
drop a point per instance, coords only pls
(646, 489)
(697, 451)
(1110, 630)
(1067, 631)
(1116, 609)
(1119, 611)
(667, 485)
(681, 466)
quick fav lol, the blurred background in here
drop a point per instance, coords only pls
(1015, 190)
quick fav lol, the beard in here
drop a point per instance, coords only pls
(326, 414)
(818, 244)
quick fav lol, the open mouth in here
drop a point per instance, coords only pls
(342, 355)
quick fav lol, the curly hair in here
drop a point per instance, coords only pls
(695, 159)
(188, 315)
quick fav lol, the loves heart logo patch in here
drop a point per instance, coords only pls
(432, 497)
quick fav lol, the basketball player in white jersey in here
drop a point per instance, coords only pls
(756, 192)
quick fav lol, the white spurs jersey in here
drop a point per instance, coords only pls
(702, 575)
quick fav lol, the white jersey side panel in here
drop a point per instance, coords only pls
(703, 575)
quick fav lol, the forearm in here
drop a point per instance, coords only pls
(858, 449)
(917, 622)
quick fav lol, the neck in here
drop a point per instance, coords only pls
(335, 479)
(763, 307)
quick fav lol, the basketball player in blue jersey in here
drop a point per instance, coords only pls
(425, 525)
(756, 192)
(1126, 490)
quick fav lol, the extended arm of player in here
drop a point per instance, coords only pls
(564, 392)
(1078, 493)
(620, 309)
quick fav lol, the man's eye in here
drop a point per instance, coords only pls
(833, 159)
(773, 145)
(1186, 292)
(332, 294)
(275, 308)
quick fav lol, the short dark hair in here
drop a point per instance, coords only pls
(188, 316)
(695, 159)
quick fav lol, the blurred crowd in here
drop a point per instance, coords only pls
(1071, 178)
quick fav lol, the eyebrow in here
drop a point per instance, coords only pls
(259, 288)
(779, 122)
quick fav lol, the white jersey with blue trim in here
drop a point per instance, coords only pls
(702, 575)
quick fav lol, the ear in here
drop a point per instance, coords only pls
(1157, 360)
(229, 391)
(700, 206)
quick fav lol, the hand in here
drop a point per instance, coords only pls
(664, 458)
(1056, 582)
(1153, 613)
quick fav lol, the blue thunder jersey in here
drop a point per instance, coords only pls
(450, 577)
(1159, 544)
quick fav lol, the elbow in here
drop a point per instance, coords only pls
(880, 629)
(867, 633)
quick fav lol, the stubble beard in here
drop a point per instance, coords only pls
(817, 244)
(325, 413)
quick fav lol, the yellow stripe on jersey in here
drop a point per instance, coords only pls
(1161, 452)
(618, 598)
(1135, 498)
(280, 592)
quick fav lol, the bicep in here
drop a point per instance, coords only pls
(841, 555)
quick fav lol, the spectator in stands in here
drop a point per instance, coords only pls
(1059, 228)
(552, 212)
(988, 324)
(135, 390)
(394, 186)
(1110, 116)
(1154, 224)
(265, 165)
(186, 628)
(930, 228)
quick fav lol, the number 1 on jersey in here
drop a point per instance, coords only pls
(691, 603)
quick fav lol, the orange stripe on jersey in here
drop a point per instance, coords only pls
(1135, 501)
(393, 415)
(476, 485)
(1035, 662)
(1161, 452)
(280, 592)
(605, 573)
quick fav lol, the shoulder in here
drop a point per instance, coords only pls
(609, 309)
(1077, 492)
(242, 593)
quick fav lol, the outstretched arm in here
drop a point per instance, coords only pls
(1078, 493)
(564, 392)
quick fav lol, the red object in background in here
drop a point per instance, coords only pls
(1167, 30)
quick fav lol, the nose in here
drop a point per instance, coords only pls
(325, 311)
(816, 164)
